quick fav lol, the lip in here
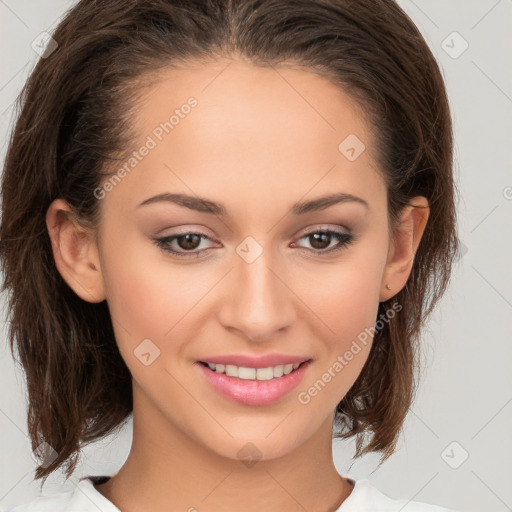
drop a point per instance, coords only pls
(254, 392)
(255, 362)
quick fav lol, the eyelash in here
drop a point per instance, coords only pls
(344, 239)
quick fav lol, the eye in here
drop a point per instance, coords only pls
(188, 243)
(321, 240)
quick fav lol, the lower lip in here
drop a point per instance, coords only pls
(254, 392)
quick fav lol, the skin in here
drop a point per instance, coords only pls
(259, 140)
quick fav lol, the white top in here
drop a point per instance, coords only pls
(85, 498)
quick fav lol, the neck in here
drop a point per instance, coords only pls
(169, 470)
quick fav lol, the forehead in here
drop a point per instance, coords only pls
(239, 99)
(224, 128)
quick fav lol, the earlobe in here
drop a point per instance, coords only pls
(75, 252)
(404, 243)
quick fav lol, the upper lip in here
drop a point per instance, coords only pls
(255, 362)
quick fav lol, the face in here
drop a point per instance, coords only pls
(254, 278)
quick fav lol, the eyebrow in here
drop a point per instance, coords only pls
(203, 205)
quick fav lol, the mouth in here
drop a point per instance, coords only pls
(252, 386)
(256, 374)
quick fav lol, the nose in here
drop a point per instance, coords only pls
(257, 302)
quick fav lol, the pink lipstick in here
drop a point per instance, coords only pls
(254, 380)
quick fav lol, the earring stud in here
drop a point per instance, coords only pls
(388, 287)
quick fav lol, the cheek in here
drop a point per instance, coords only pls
(345, 294)
(345, 297)
(141, 284)
(139, 291)
(350, 311)
(150, 297)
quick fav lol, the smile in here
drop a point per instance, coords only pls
(253, 386)
(246, 373)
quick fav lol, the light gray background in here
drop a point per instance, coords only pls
(466, 393)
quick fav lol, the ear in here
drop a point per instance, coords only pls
(75, 252)
(403, 245)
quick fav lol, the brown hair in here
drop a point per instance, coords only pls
(74, 119)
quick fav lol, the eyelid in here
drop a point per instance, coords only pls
(196, 229)
(344, 238)
(164, 241)
(322, 227)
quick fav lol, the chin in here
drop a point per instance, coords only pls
(252, 446)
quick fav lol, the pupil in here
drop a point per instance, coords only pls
(188, 244)
(317, 237)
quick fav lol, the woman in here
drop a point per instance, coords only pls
(229, 219)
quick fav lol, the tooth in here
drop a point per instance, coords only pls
(278, 370)
(231, 370)
(287, 368)
(265, 373)
(246, 373)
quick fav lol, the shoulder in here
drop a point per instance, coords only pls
(365, 498)
(83, 498)
(58, 502)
